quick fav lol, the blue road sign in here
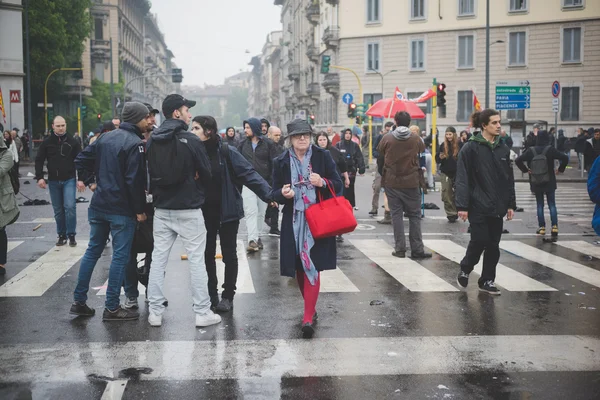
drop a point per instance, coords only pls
(555, 89)
(511, 98)
(515, 105)
(347, 98)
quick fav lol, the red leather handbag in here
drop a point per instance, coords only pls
(331, 217)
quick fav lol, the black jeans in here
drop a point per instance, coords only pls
(349, 193)
(486, 233)
(273, 217)
(228, 234)
(3, 245)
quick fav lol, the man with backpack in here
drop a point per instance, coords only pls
(542, 179)
(179, 172)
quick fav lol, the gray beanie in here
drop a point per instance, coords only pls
(134, 112)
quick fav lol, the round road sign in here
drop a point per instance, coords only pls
(555, 89)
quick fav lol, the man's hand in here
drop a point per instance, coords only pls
(464, 215)
(141, 217)
(287, 192)
(316, 180)
(347, 182)
(80, 186)
(93, 187)
(274, 204)
(510, 214)
(42, 184)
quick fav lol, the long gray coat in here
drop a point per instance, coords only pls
(9, 211)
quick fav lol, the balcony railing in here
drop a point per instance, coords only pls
(331, 83)
(331, 36)
(313, 13)
(100, 44)
(294, 72)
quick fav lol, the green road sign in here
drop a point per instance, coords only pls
(513, 90)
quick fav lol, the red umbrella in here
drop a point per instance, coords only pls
(387, 108)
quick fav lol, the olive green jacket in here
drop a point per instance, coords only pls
(9, 211)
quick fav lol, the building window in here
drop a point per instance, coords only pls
(417, 55)
(572, 45)
(464, 105)
(516, 48)
(572, 3)
(371, 98)
(466, 8)
(518, 115)
(417, 9)
(518, 5)
(98, 29)
(372, 57)
(373, 11)
(465, 51)
(570, 104)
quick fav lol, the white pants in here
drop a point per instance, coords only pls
(254, 213)
(189, 225)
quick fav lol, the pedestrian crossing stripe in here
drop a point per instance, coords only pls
(582, 247)
(13, 245)
(244, 282)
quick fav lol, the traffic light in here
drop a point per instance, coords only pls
(325, 63)
(361, 109)
(311, 119)
(83, 112)
(77, 74)
(99, 117)
(359, 120)
(176, 75)
(441, 94)
(351, 110)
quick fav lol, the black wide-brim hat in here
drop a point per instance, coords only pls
(298, 127)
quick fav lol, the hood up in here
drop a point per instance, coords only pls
(255, 125)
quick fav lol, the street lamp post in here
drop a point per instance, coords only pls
(487, 71)
(383, 77)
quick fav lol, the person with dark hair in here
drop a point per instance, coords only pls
(264, 126)
(377, 181)
(485, 193)
(447, 157)
(464, 137)
(592, 148)
(398, 164)
(531, 138)
(355, 163)
(223, 208)
(534, 155)
(231, 137)
(272, 213)
(116, 122)
(580, 144)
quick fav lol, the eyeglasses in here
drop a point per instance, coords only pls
(302, 136)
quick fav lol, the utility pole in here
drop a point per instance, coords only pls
(487, 54)
(28, 71)
(112, 82)
(46, 90)
(434, 127)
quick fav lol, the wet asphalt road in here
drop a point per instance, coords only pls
(540, 341)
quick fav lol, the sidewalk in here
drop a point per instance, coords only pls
(571, 174)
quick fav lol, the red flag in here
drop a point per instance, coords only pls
(426, 95)
(398, 94)
(476, 103)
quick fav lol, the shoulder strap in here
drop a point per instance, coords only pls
(546, 149)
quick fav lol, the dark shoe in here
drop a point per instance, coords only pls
(399, 254)
(2, 271)
(274, 232)
(82, 310)
(541, 231)
(120, 314)
(387, 219)
(62, 240)
(489, 287)
(420, 256)
(224, 306)
(452, 218)
(554, 231)
(373, 212)
(462, 279)
(308, 330)
(72, 241)
(339, 239)
(214, 301)
(252, 247)
(505, 231)
(519, 209)
(131, 303)
(260, 244)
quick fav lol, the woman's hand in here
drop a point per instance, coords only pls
(442, 156)
(316, 180)
(287, 192)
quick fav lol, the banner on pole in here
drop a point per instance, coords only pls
(2, 107)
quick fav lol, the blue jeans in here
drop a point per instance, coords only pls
(62, 195)
(122, 229)
(539, 197)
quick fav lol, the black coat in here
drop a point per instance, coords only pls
(355, 162)
(60, 154)
(338, 158)
(323, 253)
(551, 155)
(485, 184)
(447, 165)
(261, 158)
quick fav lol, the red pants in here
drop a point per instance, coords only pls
(310, 293)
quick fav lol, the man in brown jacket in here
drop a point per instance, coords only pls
(398, 164)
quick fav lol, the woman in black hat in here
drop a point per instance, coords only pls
(298, 174)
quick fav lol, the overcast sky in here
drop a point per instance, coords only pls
(210, 37)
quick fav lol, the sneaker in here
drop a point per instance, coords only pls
(554, 230)
(82, 309)
(373, 212)
(339, 239)
(452, 218)
(462, 279)
(519, 209)
(541, 230)
(387, 219)
(260, 244)
(399, 254)
(72, 241)
(420, 256)
(208, 319)
(224, 306)
(356, 208)
(120, 314)
(308, 330)
(131, 303)
(62, 240)
(252, 247)
(154, 320)
(489, 287)
(214, 301)
(274, 232)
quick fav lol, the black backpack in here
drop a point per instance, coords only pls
(540, 174)
(166, 161)
(14, 176)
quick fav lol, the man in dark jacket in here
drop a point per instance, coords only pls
(377, 181)
(272, 213)
(398, 165)
(580, 144)
(485, 193)
(116, 162)
(592, 149)
(260, 151)
(178, 210)
(60, 150)
(544, 147)
(531, 138)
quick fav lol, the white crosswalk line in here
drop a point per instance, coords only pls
(40, 275)
(409, 273)
(506, 277)
(141, 288)
(13, 245)
(114, 390)
(335, 281)
(582, 247)
(562, 265)
(244, 282)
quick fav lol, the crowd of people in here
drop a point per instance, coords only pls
(152, 184)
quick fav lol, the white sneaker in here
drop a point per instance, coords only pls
(154, 320)
(208, 319)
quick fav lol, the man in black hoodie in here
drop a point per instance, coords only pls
(178, 210)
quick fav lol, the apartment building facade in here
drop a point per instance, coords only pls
(11, 65)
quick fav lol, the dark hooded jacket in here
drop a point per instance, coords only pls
(60, 151)
(262, 157)
(398, 161)
(355, 161)
(232, 141)
(190, 193)
(485, 184)
(591, 152)
(543, 141)
(448, 164)
(561, 142)
(581, 139)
